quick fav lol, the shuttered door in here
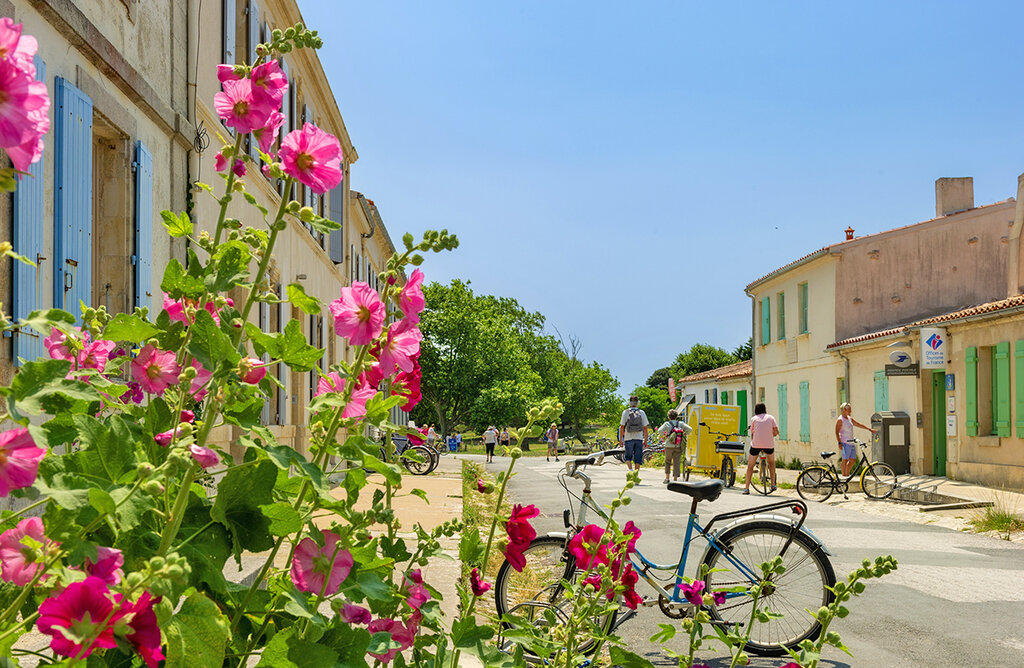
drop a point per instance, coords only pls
(28, 240)
(971, 389)
(72, 197)
(143, 258)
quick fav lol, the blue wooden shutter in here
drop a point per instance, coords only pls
(336, 205)
(228, 32)
(143, 258)
(805, 411)
(783, 412)
(72, 197)
(253, 27)
(28, 240)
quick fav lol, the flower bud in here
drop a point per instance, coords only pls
(157, 563)
(153, 488)
(5, 247)
(144, 470)
(306, 214)
(134, 579)
(516, 453)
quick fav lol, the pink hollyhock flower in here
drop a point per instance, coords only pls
(187, 416)
(421, 438)
(198, 387)
(411, 299)
(633, 531)
(134, 393)
(17, 47)
(267, 135)
(588, 547)
(791, 664)
(220, 163)
(316, 569)
(257, 370)
(692, 592)
(630, 597)
(205, 456)
(227, 73)
(372, 377)
(358, 314)
(239, 108)
(19, 460)
(356, 406)
(21, 551)
(137, 623)
(520, 533)
(83, 610)
(176, 308)
(478, 586)
(269, 82)
(401, 347)
(313, 157)
(481, 486)
(20, 96)
(155, 370)
(719, 597)
(331, 382)
(164, 438)
(95, 355)
(355, 614)
(407, 384)
(417, 593)
(59, 346)
(400, 633)
(29, 152)
(108, 565)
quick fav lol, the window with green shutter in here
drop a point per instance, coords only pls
(802, 294)
(783, 413)
(781, 316)
(766, 324)
(725, 397)
(1018, 371)
(971, 389)
(1001, 389)
(881, 392)
(805, 411)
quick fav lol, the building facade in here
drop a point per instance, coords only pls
(727, 385)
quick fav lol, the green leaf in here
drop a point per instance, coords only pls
(667, 632)
(101, 501)
(287, 650)
(125, 327)
(626, 659)
(284, 520)
(351, 643)
(232, 262)
(471, 550)
(34, 376)
(177, 226)
(208, 547)
(467, 633)
(391, 472)
(196, 636)
(239, 497)
(113, 451)
(209, 344)
(178, 283)
(43, 321)
(297, 296)
(295, 351)
(68, 490)
(324, 225)
(251, 199)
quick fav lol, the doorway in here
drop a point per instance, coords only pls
(939, 423)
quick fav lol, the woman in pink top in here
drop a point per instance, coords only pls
(763, 430)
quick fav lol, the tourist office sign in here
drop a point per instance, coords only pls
(909, 370)
(934, 344)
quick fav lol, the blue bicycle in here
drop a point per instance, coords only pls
(737, 544)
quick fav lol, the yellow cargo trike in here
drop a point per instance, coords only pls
(710, 448)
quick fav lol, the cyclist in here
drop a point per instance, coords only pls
(763, 430)
(844, 434)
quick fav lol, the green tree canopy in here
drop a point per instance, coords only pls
(660, 378)
(701, 357)
(745, 351)
(655, 403)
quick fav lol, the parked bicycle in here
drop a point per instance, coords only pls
(878, 480)
(739, 543)
(417, 459)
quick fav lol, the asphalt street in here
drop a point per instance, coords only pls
(957, 599)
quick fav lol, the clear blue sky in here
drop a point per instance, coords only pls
(627, 168)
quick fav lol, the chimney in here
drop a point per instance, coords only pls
(849, 233)
(953, 195)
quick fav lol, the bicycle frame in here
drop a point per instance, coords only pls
(646, 566)
(858, 469)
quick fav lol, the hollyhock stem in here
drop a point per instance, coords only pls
(16, 513)
(170, 531)
(265, 262)
(25, 591)
(224, 201)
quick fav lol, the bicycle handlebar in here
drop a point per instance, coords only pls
(720, 433)
(595, 459)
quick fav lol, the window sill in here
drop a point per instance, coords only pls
(988, 441)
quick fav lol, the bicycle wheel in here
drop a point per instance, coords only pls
(759, 477)
(648, 456)
(421, 463)
(802, 587)
(728, 471)
(878, 480)
(531, 593)
(815, 483)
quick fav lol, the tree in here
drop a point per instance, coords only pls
(745, 351)
(587, 395)
(660, 378)
(655, 403)
(701, 357)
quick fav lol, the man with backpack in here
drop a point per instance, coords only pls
(676, 432)
(633, 433)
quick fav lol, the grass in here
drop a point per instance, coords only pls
(478, 511)
(997, 518)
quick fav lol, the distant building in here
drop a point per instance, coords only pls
(724, 385)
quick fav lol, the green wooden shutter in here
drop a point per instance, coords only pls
(805, 411)
(1001, 400)
(725, 397)
(971, 387)
(1018, 370)
(803, 308)
(881, 392)
(783, 413)
(741, 400)
(782, 316)
(766, 317)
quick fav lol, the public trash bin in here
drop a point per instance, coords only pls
(891, 442)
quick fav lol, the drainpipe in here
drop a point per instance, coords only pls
(753, 352)
(846, 375)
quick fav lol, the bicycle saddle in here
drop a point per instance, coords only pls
(705, 490)
(826, 455)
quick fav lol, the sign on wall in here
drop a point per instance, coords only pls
(900, 359)
(933, 348)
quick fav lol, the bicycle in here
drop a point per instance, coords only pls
(727, 471)
(424, 461)
(817, 483)
(733, 555)
(760, 478)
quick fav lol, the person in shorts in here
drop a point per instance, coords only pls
(844, 435)
(633, 433)
(763, 430)
(490, 439)
(552, 438)
(674, 451)
(503, 438)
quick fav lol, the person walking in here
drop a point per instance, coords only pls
(675, 433)
(633, 433)
(552, 436)
(431, 436)
(844, 435)
(490, 439)
(503, 437)
(763, 430)
(458, 441)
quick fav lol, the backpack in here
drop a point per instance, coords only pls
(634, 421)
(676, 435)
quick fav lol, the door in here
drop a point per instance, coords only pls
(741, 400)
(939, 423)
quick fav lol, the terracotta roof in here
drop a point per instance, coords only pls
(996, 307)
(737, 370)
(827, 249)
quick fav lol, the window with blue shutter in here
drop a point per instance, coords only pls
(143, 258)
(766, 315)
(228, 32)
(881, 391)
(72, 192)
(805, 411)
(253, 28)
(336, 212)
(27, 238)
(783, 412)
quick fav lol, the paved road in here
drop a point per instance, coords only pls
(956, 600)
